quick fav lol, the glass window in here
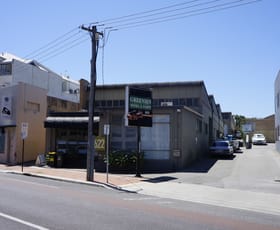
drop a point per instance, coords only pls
(182, 101)
(6, 69)
(122, 103)
(116, 103)
(109, 103)
(189, 102)
(175, 102)
(155, 102)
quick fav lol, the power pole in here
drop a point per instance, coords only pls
(90, 149)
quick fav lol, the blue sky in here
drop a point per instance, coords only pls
(236, 52)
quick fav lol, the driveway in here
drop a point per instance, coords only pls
(256, 169)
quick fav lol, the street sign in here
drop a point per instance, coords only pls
(106, 129)
(24, 130)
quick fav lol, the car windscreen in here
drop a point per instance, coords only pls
(220, 143)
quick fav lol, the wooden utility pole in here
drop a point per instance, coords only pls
(90, 150)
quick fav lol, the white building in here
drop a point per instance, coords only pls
(277, 111)
(28, 91)
(14, 70)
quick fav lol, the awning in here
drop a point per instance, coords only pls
(68, 122)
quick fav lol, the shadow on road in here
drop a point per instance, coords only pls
(160, 179)
(201, 166)
(205, 164)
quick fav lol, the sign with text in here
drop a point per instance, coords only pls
(138, 107)
(24, 130)
(99, 143)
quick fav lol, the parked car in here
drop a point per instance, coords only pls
(221, 147)
(235, 143)
(258, 139)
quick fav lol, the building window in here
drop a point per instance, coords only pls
(182, 101)
(6, 69)
(32, 106)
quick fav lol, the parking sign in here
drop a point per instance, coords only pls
(24, 130)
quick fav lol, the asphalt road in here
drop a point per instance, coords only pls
(256, 169)
(36, 203)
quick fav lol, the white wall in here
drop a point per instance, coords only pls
(44, 79)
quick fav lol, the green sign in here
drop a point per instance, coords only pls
(139, 107)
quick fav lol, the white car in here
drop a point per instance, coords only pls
(258, 139)
(221, 147)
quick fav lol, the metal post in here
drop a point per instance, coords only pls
(107, 158)
(138, 174)
(22, 155)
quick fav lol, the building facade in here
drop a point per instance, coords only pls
(28, 91)
(183, 122)
(229, 123)
(277, 111)
(264, 126)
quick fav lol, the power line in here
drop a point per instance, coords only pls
(163, 12)
(183, 10)
(60, 48)
(186, 14)
(50, 43)
(141, 13)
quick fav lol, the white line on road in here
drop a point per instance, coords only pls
(22, 222)
(33, 183)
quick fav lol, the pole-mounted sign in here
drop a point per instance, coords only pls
(138, 107)
(138, 112)
(24, 130)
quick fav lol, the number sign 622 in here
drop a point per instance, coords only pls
(99, 143)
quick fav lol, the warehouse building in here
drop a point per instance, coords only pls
(185, 120)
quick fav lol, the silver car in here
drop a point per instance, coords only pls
(221, 147)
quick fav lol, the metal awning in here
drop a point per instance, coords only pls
(68, 122)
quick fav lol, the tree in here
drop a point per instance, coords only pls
(239, 121)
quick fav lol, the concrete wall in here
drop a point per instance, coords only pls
(29, 105)
(189, 126)
(194, 143)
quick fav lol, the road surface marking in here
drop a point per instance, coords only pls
(33, 183)
(22, 222)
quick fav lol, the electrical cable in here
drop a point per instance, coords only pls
(68, 40)
(178, 16)
(164, 12)
(49, 43)
(107, 21)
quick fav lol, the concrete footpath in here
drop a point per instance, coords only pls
(151, 185)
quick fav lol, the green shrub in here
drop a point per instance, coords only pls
(123, 158)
